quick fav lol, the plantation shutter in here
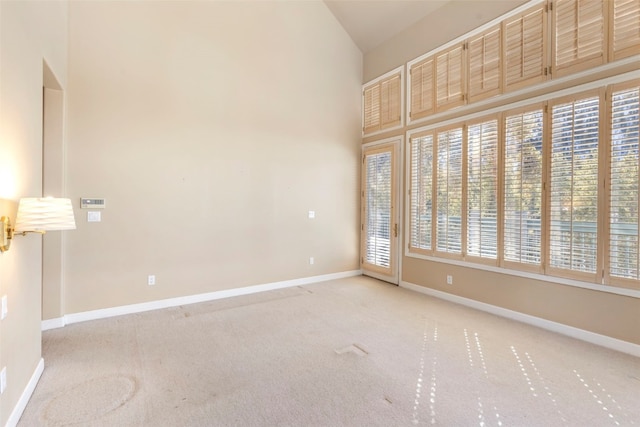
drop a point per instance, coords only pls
(449, 191)
(484, 65)
(523, 188)
(625, 20)
(580, 38)
(422, 89)
(525, 47)
(450, 78)
(482, 189)
(574, 186)
(371, 109)
(390, 102)
(382, 107)
(624, 220)
(421, 189)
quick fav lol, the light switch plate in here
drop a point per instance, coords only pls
(94, 216)
(5, 309)
(3, 380)
(312, 214)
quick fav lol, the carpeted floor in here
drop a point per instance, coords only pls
(350, 352)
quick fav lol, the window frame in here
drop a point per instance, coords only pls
(534, 268)
(608, 277)
(596, 276)
(411, 191)
(497, 117)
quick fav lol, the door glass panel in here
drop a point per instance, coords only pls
(378, 209)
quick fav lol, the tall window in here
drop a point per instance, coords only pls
(623, 185)
(523, 187)
(449, 191)
(482, 189)
(574, 185)
(421, 186)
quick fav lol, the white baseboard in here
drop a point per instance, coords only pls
(581, 334)
(25, 396)
(52, 323)
(191, 299)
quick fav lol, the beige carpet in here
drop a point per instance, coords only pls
(351, 352)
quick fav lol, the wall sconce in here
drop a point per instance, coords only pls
(37, 215)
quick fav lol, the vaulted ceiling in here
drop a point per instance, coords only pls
(372, 22)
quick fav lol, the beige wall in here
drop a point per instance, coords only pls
(30, 32)
(211, 129)
(608, 314)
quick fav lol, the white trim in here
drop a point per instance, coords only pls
(25, 396)
(396, 70)
(581, 334)
(192, 299)
(52, 323)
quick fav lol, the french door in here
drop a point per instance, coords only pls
(380, 214)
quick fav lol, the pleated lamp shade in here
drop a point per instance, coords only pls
(44, 214)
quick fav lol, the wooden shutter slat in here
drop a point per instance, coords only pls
(525, 47)
(382, 107)
(579, 31)
(626, 28)
(372, 109)
(422, 89)
(390, 102)
(450, 78)
(484, 65)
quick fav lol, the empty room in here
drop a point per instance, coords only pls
(319, 212)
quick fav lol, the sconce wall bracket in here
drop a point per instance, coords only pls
(6, 233)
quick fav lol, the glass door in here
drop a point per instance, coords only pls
(380, 225)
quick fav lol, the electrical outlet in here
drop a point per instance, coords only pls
(5, 309)
(449, 279)
(3, 380)
(311, 260)
(151, 280)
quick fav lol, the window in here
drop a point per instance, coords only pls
(484, 65)
(523, 155)
(574, 185)
(421, 192)
(625, 20)
(624, 251)
(421, 75)
(482, 189)
(449, 191)
(525, 48)
(450, 90)
(382, 103)
(580, 39)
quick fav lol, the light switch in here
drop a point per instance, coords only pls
(312, 214)
(4, 308)
(93, 216)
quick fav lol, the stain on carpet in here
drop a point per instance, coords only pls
(107, 394)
